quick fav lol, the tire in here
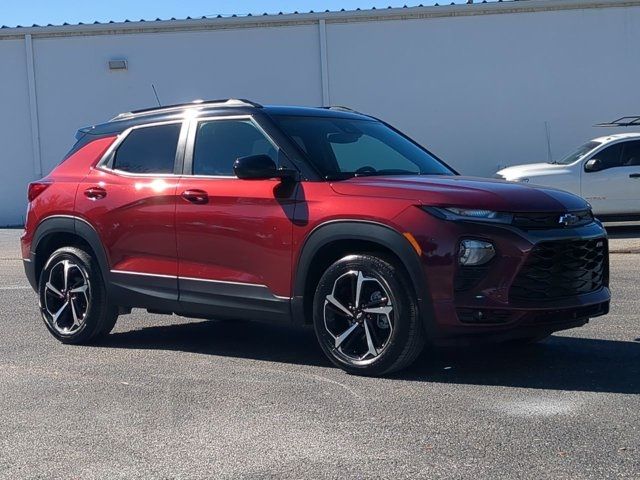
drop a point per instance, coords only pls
(384, 333)
(75, 312)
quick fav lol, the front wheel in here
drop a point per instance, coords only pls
(365, 316)
(73, 299)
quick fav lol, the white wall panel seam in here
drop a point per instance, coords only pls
(324, 63)
(33, 106)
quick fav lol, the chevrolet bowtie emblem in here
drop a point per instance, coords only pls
(568, 219)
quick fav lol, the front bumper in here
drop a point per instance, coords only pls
(488, 311)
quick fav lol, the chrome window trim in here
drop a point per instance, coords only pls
(191, 140)
(107, 156)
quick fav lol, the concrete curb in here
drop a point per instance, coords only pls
(624, 245)
(624, 251)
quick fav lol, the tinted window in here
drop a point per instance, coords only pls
(344, 147)
(148, 150)
(631, 154)
(578, 154)
(377, 154)
(609, 157)
(220, 142)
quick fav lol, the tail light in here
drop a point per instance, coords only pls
(35, 189)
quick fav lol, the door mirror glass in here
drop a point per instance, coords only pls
(255, 167)
(593, 165)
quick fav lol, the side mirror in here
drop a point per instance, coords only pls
(260, 167)
(593, 165)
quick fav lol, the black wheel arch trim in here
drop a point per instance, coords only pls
(73, 225)
(364, 230)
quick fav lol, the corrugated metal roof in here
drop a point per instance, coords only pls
(242, 15)
(273, 19)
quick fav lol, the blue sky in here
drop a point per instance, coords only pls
(28, 12)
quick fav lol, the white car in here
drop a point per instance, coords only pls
(605, 171)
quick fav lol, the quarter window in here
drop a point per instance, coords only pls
(148, 150)
(219, 143)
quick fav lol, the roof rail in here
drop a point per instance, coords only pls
(340, 108)
(224, 102)
(632, 121)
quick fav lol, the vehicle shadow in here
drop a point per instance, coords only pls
(241, 339)
(558, 363)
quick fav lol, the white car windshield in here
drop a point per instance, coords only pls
(577, 154)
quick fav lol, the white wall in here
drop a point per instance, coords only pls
(76, 88)
(16, 155)
(477, 90)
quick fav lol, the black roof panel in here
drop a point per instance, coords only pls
(214, 107)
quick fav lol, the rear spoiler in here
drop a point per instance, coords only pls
(622, 122)
(84, 131)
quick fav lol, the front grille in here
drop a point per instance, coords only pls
(534, 221)
(562, 269)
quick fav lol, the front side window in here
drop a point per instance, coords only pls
(344, 147)
(219, 143)
(148, 150)
(610, 157)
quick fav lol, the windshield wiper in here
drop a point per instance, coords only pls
(339, 176)
(379, 173)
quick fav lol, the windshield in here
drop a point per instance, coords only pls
(578, 153)
(344, 147)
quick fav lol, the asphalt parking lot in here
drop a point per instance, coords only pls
(166, 397)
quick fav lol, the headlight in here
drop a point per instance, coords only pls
(475, 252)
(521, 180)
(454, 213)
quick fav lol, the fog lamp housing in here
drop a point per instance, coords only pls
(475, 252)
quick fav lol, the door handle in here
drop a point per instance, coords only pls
(95, 193)
(634, 175)
(198, 197)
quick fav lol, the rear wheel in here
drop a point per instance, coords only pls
(365, 316)
(73, 300)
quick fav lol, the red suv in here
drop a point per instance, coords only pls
(231, 210)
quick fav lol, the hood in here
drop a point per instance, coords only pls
(532, 169)
(463, 192)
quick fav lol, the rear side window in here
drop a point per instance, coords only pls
(631, 154)
(148, 150)
(220, 142)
